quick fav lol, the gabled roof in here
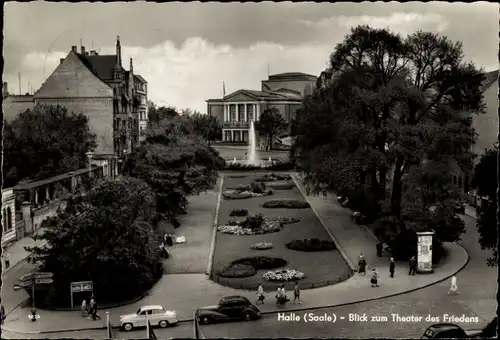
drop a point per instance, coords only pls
(262, 95)
(140, 79)
(490, 79)
(101, 65)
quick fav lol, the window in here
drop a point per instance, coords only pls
(232, 111)
(159, 311)
(9, 219)
(250, 112)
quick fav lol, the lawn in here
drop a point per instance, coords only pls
(320, 268)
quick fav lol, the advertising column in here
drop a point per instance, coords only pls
(424, 252)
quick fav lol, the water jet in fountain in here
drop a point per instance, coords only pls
(253, 157)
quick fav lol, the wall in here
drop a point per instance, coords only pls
(14, 105)
(100, 118)
(8, 201)
(216, 110)
(295, 85)
(74, 86)
(41, 214)
(486, 124)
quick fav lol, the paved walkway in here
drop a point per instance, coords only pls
(183, 292)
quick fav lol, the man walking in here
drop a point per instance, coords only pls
(392, 267)
(296, 293)
(413, 266)
(379, 249)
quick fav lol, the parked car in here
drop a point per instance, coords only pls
(448, 330)
(230, 308)
(155, 314)
(460, 208)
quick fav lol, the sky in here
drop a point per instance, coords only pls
(187, 50)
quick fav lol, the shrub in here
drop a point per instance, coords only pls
(235, 195)
(274, 177)
(238, 270)
(242, 187)
(241, 167)
(310, 245)
(239, 212)
(262, 246)
(281, 185)
(283, 275)
(262, 262)
(258, 187)
(282, 166)
(234, 228)
(253, 221)
(285, 220)
(286, 204)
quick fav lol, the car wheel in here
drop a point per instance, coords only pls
(205, 320)
(128, 327)
(248, 316)
(163, 323)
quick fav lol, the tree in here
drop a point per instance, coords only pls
(175, 162)
(484, 180)
(206, 126)
(156, 114)
(37, 144)
(105, 236)
(395, 106)
(270, 124)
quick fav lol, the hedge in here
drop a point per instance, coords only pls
(248, 266)
(238, 212)
(286, 204)
(310, 245)
(238, 270)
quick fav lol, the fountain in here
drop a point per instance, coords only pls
(253, 157)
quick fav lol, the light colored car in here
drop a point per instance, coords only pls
(156, 314)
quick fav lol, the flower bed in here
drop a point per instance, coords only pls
(238, 212)
(283, 275)
(262, 246)
(256, 225)
(274, 177)
(286, 204)
(262, 262)
(281, 185)
(235, 194)
(311, 244)
(238, 270)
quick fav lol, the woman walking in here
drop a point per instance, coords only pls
(454, 287)
(84, 308)
(260, 294)
(362, 265)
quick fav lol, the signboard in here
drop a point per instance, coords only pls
(424, 252)
(43, 281)
(79, 287)
(40, 275)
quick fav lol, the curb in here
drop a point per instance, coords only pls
(22, 260)
(339, 248)
(281, 311)
(214, 229)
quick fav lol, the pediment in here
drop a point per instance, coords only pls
(240, 96)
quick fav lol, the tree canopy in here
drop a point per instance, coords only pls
(271, 123)
(37, 144)
(484, 181)
(392, 125)
(175, 161)
(105, 236)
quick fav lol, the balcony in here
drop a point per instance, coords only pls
(236, 125)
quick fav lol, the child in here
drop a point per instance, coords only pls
(296, 293)
(374, 278)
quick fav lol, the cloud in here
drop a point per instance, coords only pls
(398, 21)
(187, 75)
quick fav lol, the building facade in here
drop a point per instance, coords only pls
(8, 216)
(99, 87)
(13, 105)
(141, 90)
(281, 91)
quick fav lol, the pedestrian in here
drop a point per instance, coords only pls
(374, 278)
(454, 287)
(279, 294)
(379, 249)
(93, 309)
(84, 308)
(260, 294)
(413, 266)
(362, 265)
(296, 293)
(392, 267)
(169, 240)
(6, 258)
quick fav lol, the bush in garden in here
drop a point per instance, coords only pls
(283, 275)
(311, 244)
(262, 246)
(281, 185)
(242, 187)
(262, 262)
(239, 212)
(286, 204)
(253, 221)
(274, 177)
(241, 167)
(235, 195)
(258, 187)
(238, 270)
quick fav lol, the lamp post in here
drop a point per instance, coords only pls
(89, 156)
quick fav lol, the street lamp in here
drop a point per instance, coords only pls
(89, 156)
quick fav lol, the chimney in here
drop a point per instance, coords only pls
(131, 66)
(61, 60)
(73, 49)
(82, 50)
(93, 52)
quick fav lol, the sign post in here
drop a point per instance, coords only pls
(33, 280)
(424, 252)
(80, 287)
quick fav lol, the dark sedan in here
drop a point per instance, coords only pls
(230, 308)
